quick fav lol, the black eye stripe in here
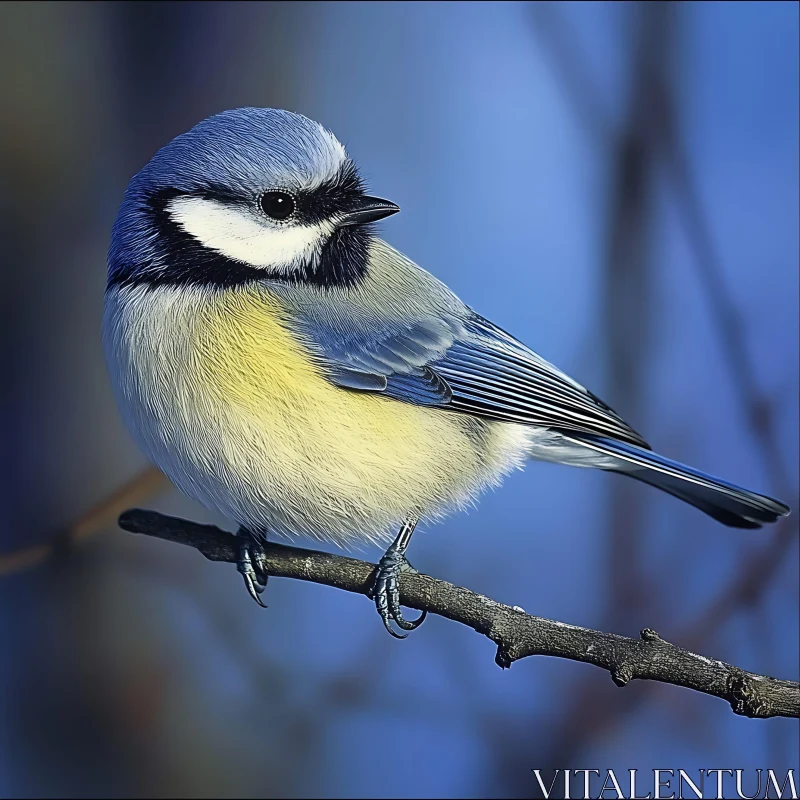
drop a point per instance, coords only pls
(331, 197)
(277, 205)
(310, 207)
(174, 257)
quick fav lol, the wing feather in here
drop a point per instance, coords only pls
(403, 333)
(473, 368)
(493, 375)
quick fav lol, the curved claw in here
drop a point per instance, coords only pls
(386, 593)
(383, 600)
(393, 588)
(410, 624)
(255, 589)
(255, 581)
(259, 558)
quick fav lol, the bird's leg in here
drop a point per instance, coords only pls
(252, 564)
(385, 590)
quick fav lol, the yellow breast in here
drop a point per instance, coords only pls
(343, 440)
(251, 427)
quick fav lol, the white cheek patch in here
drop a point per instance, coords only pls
(244, 237)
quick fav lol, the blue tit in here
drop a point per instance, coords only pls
(293, 372)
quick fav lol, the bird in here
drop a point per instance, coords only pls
(290, 370)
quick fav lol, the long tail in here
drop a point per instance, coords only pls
(732, 505)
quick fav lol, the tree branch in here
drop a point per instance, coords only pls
(515, 633)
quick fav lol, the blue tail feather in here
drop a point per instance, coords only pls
(730, 504)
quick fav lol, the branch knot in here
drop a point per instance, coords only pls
(649, 635)
(745, 696)
(623, 673)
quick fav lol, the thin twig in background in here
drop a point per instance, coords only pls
(627, 302)
(575, 77)
(516, 634)
(96, 520)
(593, 712)
(750, 581)
(755, 572)
(759, 410)
(632, 155)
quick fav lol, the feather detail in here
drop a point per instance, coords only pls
(431, 349)
(726, 502)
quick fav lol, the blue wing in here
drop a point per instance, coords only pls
(402, 333)
(493, 375)
(469, 366)
(396, 363)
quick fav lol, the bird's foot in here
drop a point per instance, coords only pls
(386, 592)
(252, 566)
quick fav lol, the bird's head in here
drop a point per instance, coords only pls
(248, 194)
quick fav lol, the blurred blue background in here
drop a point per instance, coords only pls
(615, 184)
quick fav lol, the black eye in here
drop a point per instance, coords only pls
(277, 205)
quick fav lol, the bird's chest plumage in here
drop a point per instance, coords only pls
(230, 405)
